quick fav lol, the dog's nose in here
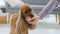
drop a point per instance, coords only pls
(31, 16)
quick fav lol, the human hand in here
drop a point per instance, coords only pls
(32, 20)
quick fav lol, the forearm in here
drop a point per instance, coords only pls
(48, 9)
(58, 1)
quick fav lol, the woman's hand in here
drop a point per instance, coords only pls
(33, 20)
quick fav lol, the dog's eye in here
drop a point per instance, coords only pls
(26, 11)
(31, 16)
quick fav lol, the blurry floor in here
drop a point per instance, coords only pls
(4, 29)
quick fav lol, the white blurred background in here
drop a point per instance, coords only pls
(48, 25)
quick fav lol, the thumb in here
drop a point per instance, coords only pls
(28, 18)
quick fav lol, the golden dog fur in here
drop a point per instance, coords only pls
(22, 26)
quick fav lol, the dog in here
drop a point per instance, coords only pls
(22, 26)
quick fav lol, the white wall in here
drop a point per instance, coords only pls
(2, 3)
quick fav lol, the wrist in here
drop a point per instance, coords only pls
(39, 17)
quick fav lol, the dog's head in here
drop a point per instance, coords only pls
(26, 11)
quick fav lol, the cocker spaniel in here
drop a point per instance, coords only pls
(22, 26)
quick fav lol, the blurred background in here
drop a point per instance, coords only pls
(48, 25)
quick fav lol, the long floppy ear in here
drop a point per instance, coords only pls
(21, 24)
(18, 18)
(17, 29)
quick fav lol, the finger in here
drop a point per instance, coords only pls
(33, 22)
(28, 17)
